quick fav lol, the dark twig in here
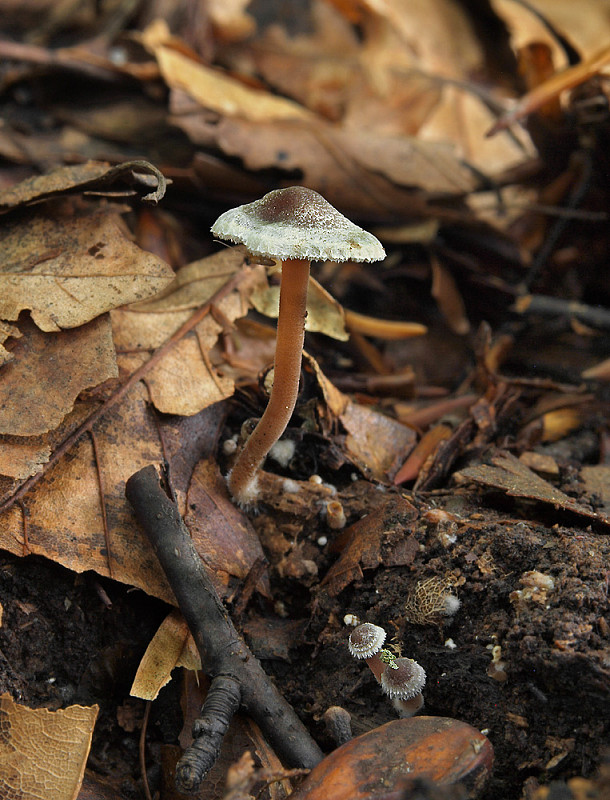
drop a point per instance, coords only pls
(594, 316)
(223, 651)
(576, 196)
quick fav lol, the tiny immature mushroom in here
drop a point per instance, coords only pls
(404, 684)
(295, 226)
(366, 642)
(405, 681)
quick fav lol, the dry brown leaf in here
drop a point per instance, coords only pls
(222, 534)
(355, 171)
(317, 69)
(586, 26)
(375, 442)
(432, 166)
(185, 381)
(434, 35)
(211, 88)
(195, 283)
(23, 456)
(324, 313)
(172, 646)
(517, 480)
(48, 372)
(64, 518)
(380, 536)
(92, 177)
(230, 20)
(43, 753)
(69, 263)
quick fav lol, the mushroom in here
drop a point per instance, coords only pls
(404, 685)
(366, 642)
(295, 226)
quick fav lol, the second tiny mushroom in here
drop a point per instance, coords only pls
(295, 226)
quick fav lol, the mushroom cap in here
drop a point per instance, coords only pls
(404, 682)
(297, 223)
(366, 640)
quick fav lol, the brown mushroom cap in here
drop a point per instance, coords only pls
(366, 640)
(405, 681)
(297, 223)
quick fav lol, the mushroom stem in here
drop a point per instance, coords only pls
(286, 374)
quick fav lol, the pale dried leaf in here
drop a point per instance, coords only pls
(186, 381)
(434, 35)
(196, 283)
(69, 264)
(43, 753)
(213, 89)
(170, 647)
(586, 26)
(462, 118)
(48, 372)
(230, 20)
(92, 176)
(324, 313)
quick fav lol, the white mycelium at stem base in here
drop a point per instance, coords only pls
(295, 225)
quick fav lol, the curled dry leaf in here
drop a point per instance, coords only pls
(375, 442)
(43, 753)
(48, 372)
(72, 262)
(92, 177)
(172, 646)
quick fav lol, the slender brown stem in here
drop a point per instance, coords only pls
(286, 373)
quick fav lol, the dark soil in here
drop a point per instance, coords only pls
(545, 707)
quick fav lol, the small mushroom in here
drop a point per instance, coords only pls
(366, 642)
(405, 681)
(296, 226)
(404, 685)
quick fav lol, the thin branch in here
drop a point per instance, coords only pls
(222, 650)
(100, 484)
